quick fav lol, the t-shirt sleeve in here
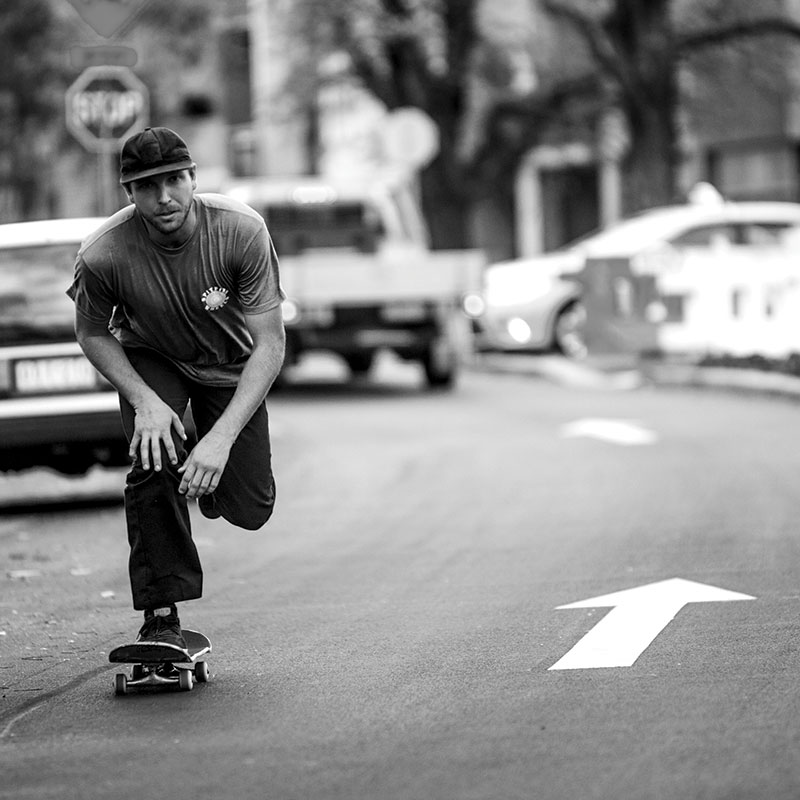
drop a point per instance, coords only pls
(91, 293)
(259, 276)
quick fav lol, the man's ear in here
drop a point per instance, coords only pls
(127, 188)
(193, 175)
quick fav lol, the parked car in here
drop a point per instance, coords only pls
(55, 409)
(535, 303)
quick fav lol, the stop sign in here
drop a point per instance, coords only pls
(105, 105)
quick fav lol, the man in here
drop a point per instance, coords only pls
(177, 302)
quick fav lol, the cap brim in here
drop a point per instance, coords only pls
(148, 173)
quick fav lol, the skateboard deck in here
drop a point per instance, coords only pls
(158, 664)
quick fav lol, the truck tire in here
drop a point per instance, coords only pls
(440, 364)
(360, 364)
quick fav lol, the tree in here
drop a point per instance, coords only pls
(438, 56)
(445, 58)
(639, 48)
(33, 77)
(35, 71)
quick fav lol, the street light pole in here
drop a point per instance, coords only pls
(260, 80)
(105, 178)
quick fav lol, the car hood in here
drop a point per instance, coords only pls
(549, 265)
(525, 280)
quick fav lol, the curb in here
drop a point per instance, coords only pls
(629, 375)
(730, 378)
(561, 370)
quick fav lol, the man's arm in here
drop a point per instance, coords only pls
(154, 419)
(205, 464)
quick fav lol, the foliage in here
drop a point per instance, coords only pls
(32, 82)
(638, 47)
(790, 365)
(170, 39)
(35, 71)
(447, 58)
(441, 56)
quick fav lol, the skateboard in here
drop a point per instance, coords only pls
(158, 665)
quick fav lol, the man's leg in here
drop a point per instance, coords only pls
(164, 565)
(245, 495)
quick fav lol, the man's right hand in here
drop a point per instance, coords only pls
(153, 425)
(154, 420)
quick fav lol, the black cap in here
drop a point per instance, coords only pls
(152, 152)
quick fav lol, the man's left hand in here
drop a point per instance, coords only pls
(203, 468)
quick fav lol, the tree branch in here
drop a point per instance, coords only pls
(592, 32)
(513, 127)
(745, 29)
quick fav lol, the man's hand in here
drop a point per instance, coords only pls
(205, 464)
(203, 469)
(153, 425)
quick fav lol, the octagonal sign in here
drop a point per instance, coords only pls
(104, 106)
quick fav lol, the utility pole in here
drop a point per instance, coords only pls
(258, 22)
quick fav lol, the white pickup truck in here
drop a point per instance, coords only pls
(359, 276)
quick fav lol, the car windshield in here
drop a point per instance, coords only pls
(33, 305)
(296, 227)
(636, 233)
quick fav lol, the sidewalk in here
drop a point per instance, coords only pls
(750, 380)
(628, 372)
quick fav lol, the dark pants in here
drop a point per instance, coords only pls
(164, 565)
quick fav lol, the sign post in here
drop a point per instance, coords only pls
(104, 106)
(107, 17)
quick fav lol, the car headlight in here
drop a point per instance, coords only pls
(519, 330)
(474, 305)
(290, 312)
(507, 291)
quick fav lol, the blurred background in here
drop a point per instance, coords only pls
(599, 109)
(521, 125)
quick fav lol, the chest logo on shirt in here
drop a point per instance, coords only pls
(214, 298)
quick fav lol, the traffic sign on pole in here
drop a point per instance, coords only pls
(104, 106)
(108, 16)
(102, 55)
(410, 137)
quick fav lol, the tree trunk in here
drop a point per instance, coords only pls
(651, 165)
(445, 206)
(642, 36)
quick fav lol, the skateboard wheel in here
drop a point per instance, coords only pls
(137, 672)
(201, 671)
(120, 684)
(185, 680)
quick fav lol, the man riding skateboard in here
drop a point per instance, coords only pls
(178, 302)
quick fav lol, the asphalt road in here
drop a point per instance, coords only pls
(396, 631)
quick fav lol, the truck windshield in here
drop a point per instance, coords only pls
(33, 305)
(296, 227)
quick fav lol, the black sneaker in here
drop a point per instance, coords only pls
(164, 630)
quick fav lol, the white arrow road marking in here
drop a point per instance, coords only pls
(637, 617)
(617, 431)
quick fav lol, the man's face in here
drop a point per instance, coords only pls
(165, 203)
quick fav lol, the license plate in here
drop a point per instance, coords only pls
(69, 373)
(384, 337)
(404, 312)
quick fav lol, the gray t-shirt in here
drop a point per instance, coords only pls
(187, 303)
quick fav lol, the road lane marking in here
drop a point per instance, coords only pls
(626, 432)
(638, 615)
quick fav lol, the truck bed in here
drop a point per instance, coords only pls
(352, 278)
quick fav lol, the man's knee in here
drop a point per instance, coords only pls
(255, 515)
(254, 521)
